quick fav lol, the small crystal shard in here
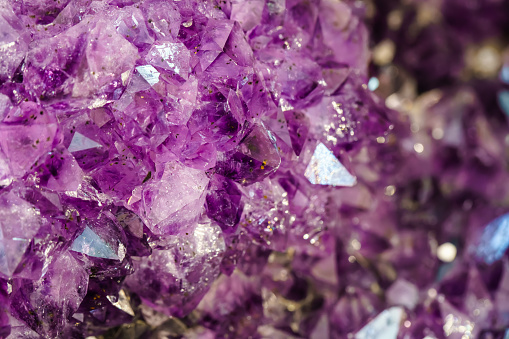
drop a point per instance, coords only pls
(19, 223)
(80, 142)
(256, 157)
(149, 73)
(92, 245)
(325, 169)
(171, 56)
(494, 240)
(248, 13)
(223, 203)
(176, 198)
(12, 47)
(174, 279)
(44, 305)
(384, 326)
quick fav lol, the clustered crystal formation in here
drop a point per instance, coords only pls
(220, 169)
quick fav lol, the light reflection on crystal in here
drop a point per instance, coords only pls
(384, 326)
(504, 74)
(418, 147)
(494, 240)
(325, 169)
(168, 53)
(171, 56)
(373, 83)
(80, 142)
(11, 253)
(456, 324)
(437, 133)
(122, 303)
(91, 244)
(149, 73)
(390, 190)
(503, 101)
(446, 252)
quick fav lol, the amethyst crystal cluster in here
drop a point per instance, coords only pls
(220, 169)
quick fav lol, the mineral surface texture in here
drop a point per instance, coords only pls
(221, 169)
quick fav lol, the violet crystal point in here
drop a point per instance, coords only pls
(174, 278)
(255, 158)
(252, 169)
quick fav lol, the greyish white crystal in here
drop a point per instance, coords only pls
(91, 244)
(325, 169)
(149, 73)
(494, 240)
(384, 326)
(80, 142)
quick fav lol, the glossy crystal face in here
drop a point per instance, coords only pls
(254, 169)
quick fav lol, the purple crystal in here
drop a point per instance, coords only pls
(233, 300)
(255, 158)
(20, 222)
(171, 56)
(13, 38)
(5, 328)
(174, 278)
(224, 203)
(173, 201)
(213, 169)
(46, 304)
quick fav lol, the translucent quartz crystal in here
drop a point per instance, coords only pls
(19, 224)
(224, 169)
(325, 169)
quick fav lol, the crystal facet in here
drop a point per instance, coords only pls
(252, 169)
(325, 169)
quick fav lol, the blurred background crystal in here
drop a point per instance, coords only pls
(254, 169)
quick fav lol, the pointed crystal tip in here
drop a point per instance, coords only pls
(91, 244)
(325, 169)
(80, 142)
(384, 326)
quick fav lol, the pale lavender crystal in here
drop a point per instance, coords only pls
(60, 171)
(130, 23)
(173, 201)
(171, 56)
(403, 293)
(213, 169)
(344, 31)
(44, 305)
(22, 145)
(175, 277)
(216, 33)
(163, 18)
(247, 13)
(13, 42)
(19, 223)
(238, 48)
